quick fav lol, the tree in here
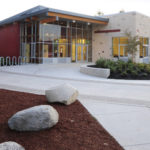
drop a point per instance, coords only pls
(122, 11)
(99, 13)
(132, 44)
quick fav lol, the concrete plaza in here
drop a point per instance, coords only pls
(122, 107)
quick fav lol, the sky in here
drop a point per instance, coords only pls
(90, 7)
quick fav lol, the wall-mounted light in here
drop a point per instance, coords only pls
(67, 24)
(57, 18)
(73, 21)
(88, 23)
(46, 34)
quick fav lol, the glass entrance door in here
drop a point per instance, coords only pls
(85, 52)
(81, 53)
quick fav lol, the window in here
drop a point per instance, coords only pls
(144, 47)
(119, 45)
(49, 32)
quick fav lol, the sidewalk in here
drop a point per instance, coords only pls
(111, 92)
(128, 124)
(122, 109)
(65, 71)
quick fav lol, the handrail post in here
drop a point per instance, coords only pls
(24, 60)
(8, 61)
(14, 60)
(19, 60)
(2, 61)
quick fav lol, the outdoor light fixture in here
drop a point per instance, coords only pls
(57, 18)
(88, 23)
(67, 24)
(73, 21)
(46, 34)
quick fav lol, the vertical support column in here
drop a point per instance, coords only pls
(25, 39)
(35, 36)
(32, 45)
(20, 39)
(67, 43)
(82, 44)
(42, 43)
(76, 43)
(87, 53)
(39, 52)
(71, 40)
(53, 48)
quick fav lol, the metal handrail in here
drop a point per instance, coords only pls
(19, 60)
(24, 60)
(2, 61)
(14, 60)
(8, 62)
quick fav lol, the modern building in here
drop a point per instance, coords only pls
(46, 35)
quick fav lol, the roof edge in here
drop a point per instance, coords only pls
(41, 9)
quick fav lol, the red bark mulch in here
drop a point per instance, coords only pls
(76, 129)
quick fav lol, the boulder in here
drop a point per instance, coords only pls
(34, 118)
(11, 146)
(63, 94)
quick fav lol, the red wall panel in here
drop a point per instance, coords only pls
(10, 40)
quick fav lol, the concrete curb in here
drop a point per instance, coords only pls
(107, 81)
(123, 101)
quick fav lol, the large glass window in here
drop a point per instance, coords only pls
(144, 47)
(49, 32)
(119, 46)
(48, 51)
(60, 38)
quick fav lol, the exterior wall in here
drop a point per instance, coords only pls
(142, 25)
(10, 40)
(143, 29)
(102, 42)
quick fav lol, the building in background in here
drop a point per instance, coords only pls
(110, 40)
(48, 35)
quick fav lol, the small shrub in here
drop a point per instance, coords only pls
(124, 74)
(125, 70)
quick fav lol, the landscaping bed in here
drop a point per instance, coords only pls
(124, 70)
(76, 129)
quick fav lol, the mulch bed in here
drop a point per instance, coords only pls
(76, 130)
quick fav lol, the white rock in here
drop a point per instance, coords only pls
(34, 118)
(63, 94)
(11, 146)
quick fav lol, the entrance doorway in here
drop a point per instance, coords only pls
(81, 53)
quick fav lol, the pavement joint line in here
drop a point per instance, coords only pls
(107, 81)
(117, 113)
(21, 89)
(113, 100)
(136, 145)
(119, 100)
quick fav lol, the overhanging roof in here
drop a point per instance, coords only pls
(38, 10)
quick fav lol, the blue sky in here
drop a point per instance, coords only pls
(90, 7)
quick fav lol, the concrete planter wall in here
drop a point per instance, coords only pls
(98, 72)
